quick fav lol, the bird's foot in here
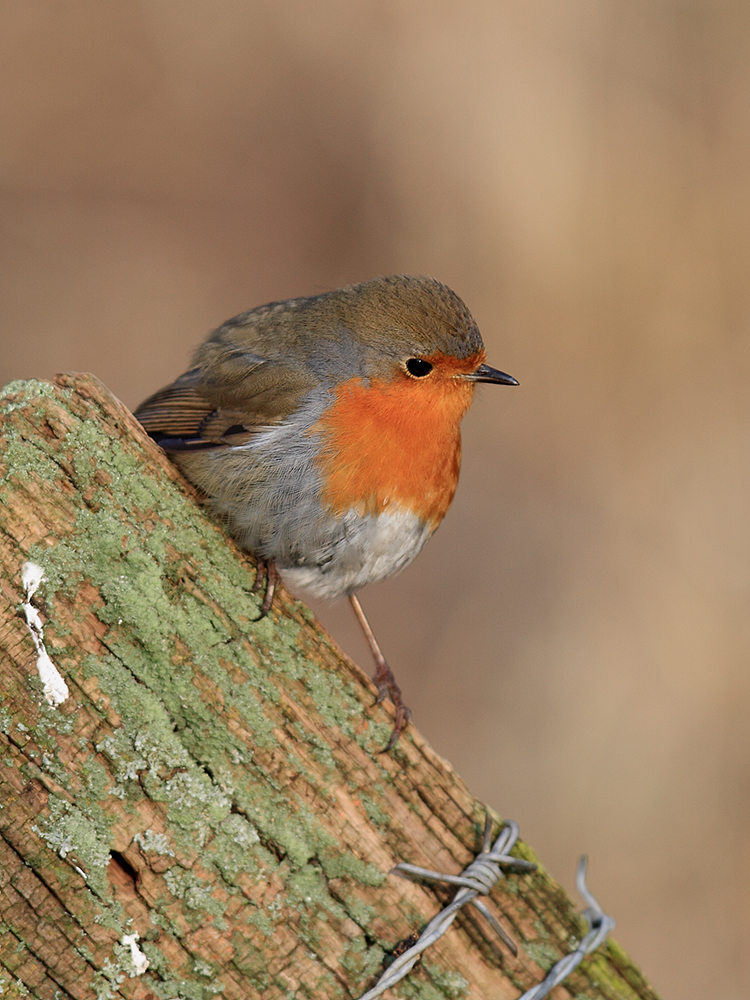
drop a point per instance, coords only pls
(388, 688)
(266, 575)
(386, 682)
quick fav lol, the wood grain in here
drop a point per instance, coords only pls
(213, 781)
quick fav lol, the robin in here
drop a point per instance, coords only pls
(324, 431)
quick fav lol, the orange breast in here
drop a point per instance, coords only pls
(395, 444)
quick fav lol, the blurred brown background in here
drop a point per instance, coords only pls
(575, 639)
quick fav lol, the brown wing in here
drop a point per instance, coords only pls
(177, 410)
(203, 410)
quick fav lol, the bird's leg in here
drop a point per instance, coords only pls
(384, 679)
(265, 572)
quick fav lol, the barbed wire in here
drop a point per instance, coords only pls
(600, 926)
(479, 878)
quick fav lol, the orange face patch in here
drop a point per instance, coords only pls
(396, 444)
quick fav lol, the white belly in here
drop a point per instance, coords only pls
(369, 549)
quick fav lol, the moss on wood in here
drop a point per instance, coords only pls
(212, 783)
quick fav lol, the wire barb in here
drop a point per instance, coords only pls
(600, 925)
(479, 877)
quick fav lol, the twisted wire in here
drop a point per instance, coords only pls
(600, 926)
(479, 878)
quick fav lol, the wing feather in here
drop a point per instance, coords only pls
(204, 409)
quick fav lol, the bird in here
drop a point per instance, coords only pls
(324, 432)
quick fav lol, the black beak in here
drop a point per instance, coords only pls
(486, 374)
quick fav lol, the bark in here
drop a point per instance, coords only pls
(212, 782)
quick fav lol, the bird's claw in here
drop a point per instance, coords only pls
(265, 574)
(388, 688)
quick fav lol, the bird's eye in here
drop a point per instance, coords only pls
(418, 367)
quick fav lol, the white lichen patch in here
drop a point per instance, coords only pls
(53, 686)
(154, 842)
(139, 960)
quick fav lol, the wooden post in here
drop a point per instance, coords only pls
(206, 812)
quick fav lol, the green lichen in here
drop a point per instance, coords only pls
(250, 961)
(361, 960)
(96, 781)
(6, 721)
(10, 988)
(52, 766)
(184, 989)
(66, 829)
(152, 842)
(374, 738)
(417, 988)
(541, 930)
(308, 889)
(611, 980)
(21, 461)
(360, 912)
(346, 865)
(335, 705)
(374, 813)
(261, 920)
(451, 984)
(195, 892)
(28, 390)
(545, 955)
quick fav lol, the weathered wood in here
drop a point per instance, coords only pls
(212, 783)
